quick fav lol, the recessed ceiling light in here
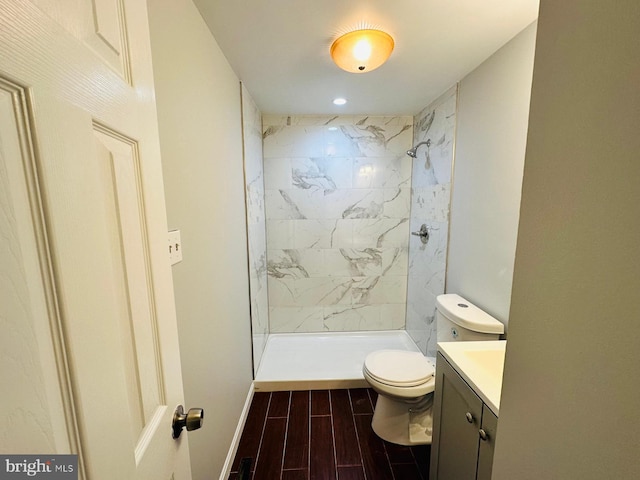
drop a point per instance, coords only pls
(339, 101)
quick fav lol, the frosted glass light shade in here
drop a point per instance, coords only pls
(361, 51)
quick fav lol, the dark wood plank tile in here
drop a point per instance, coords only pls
(252, 432)
(269, 462)
(322, 464)
(346, 440)
(406, 471)
(360, 400)
(351, 473)
(295, 474)
(373, 396)
(297, 446)
(422, 456)
(243, 470)
(398, 453)
(320, 402)
(278, 425)
(279, 406)
(374, 456)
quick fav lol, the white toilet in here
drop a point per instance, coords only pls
(405, 380)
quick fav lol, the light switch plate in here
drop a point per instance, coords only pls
(175, 247)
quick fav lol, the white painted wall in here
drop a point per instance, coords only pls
(198, 98)
(493, 110)
(569, 407)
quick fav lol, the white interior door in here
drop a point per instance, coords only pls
(89, 338)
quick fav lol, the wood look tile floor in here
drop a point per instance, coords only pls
(322, 435)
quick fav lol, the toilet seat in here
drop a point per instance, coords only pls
(399, 368)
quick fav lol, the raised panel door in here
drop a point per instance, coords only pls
(89, 300)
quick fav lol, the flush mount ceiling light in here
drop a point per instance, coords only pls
(361, 51)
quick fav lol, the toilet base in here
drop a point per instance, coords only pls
(394, 422)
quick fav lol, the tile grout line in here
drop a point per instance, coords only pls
(286, 433)
(260, 452)
(264, 426)
(415, 461)
(384, 446)
(309, 435)
(386, 454)
(333, 437)
(355, 428)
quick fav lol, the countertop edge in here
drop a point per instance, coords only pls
(451, 352)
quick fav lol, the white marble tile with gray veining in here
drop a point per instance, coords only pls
(375, 140)
(382, 121)
(281, 233)
(393, 315)
(297, 319)
(304, 120)
(277, 173)
(436, 246)
(347, 319)
(328, 120)
(360, 203)
(317, 233)
(293, 141)
(430, 203)
(323, 174)
(394, 260)
(397, 202)
(379, 290)
(382, 232)
(437, 119)
(437, 124)
(420, 321)
(337, 201)
(256, 223)
(428, 276)
(382, 172)
(290, 291)
(285, 205)
(288, 264)
(352, 262)
(255, 196)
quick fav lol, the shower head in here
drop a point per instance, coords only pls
(413, 152)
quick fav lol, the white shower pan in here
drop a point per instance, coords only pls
(318, 361)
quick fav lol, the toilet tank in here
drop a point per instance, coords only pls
(460, 320)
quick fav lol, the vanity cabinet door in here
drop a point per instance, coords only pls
(457, 421)
(487, 443)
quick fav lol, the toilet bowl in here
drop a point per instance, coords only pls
(405, 380)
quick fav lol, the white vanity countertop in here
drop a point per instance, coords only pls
(481, 365)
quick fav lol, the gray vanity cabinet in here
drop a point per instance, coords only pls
(485, 452)
(463, 429)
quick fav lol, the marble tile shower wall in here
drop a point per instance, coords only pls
(256, 224)
(431, 194)
(337, 197)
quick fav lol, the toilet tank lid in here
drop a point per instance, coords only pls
(467, 315)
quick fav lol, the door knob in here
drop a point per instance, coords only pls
(193, 420)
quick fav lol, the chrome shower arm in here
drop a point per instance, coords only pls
(413, 152)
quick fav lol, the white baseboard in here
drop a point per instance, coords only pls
(228, 463)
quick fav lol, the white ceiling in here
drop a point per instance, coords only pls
(280, 49)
